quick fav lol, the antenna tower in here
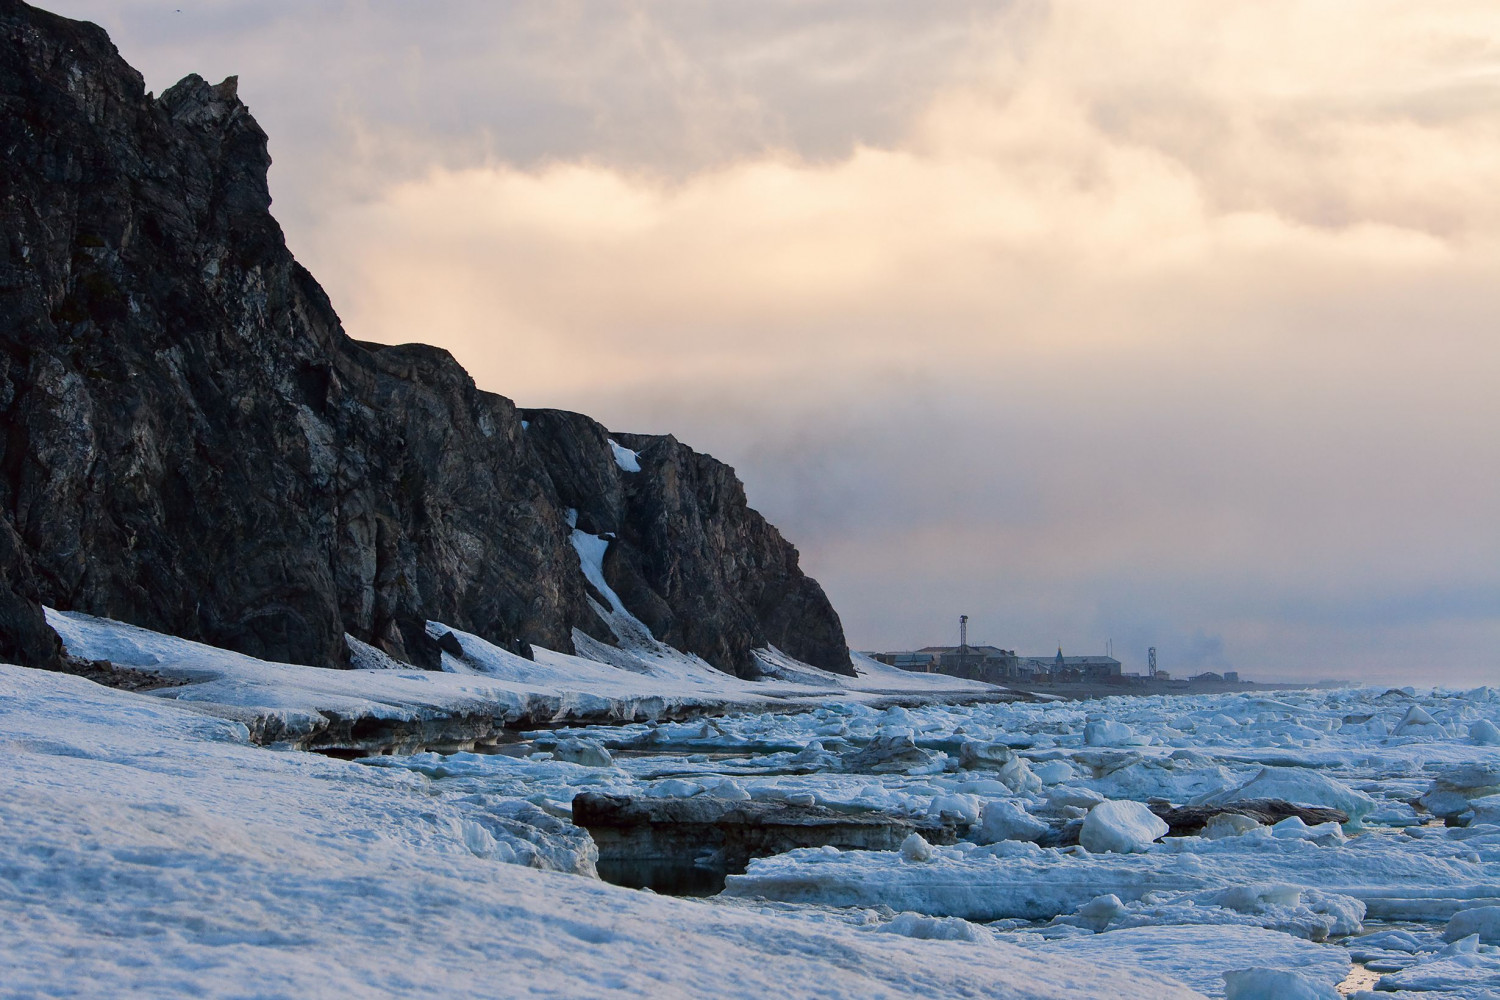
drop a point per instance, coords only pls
(963, 644)
(1151, 660)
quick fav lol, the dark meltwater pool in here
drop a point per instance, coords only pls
(667, 877)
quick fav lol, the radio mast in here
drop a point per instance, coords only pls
(963, 645)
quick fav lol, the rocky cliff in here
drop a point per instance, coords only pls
(191, 442)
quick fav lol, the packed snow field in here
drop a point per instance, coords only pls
(154, 850)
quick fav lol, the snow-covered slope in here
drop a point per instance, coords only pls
(150, 851)
(474, 696)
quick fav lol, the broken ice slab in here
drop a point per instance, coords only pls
(1395, 877)
(725, 834)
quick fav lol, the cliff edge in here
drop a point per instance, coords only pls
(192, 443)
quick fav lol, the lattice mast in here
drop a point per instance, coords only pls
(963, 644)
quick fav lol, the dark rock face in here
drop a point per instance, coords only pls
(193, 444)
(25, 636)
(690, 558)
(736, 831)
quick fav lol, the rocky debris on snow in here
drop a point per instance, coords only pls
(110, 675)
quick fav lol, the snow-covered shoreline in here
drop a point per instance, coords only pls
(474, 700)
(179, 841)
(151, 851)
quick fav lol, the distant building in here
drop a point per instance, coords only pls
(979, 663)
(1093, 668)
(1060, 669)
(1002, 666)
(1209, 677)
(922, 663)
(1232, 676)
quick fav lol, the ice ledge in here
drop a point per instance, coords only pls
(471, 703)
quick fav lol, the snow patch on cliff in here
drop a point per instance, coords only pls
(627, 460)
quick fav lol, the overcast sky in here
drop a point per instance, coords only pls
(1172, 323)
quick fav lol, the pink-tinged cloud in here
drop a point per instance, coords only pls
(1168, 322)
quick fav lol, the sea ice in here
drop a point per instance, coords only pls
(1106, 733)
(1323, 834)
(1300, 786)
(1486, 810)
(1307, 914)
(589, 753)
(1024, 771)
(1228, 825)
(157, 854)
(1201, 955)
(1120, 827)
(1465, 968)
(1274, 984)
(914, 848)
(1003, 819)
(1483, 921)
(1396, 878)
(1418, 722)
(915, 925)
(1053, 772)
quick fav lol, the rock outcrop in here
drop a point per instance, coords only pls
(734, 831)
(193, 444)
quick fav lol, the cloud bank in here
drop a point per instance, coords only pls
(1172, 323)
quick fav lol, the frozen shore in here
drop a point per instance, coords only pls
(234, 851)
(388, 707)
(152, 851)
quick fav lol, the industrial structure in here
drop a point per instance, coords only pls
(1000, 666)
(1004, 666)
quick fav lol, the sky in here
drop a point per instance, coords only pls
(1167, 323)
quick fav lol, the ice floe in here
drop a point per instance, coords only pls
(153, 852)
(1056, 814)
